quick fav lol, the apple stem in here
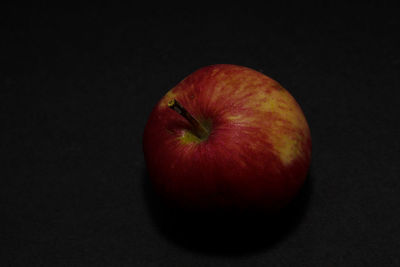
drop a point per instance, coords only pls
(199, 130)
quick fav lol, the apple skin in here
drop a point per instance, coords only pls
(256, 156)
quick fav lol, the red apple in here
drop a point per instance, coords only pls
(229, 137)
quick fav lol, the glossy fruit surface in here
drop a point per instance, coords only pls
(256, 151)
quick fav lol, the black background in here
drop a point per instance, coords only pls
(77, 84)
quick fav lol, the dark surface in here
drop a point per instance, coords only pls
(78, 83)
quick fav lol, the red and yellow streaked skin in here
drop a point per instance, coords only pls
(256, 156)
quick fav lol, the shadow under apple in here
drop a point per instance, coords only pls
(226, 234)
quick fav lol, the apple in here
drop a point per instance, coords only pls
(227, 137)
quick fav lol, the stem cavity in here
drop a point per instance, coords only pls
(199, 130)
